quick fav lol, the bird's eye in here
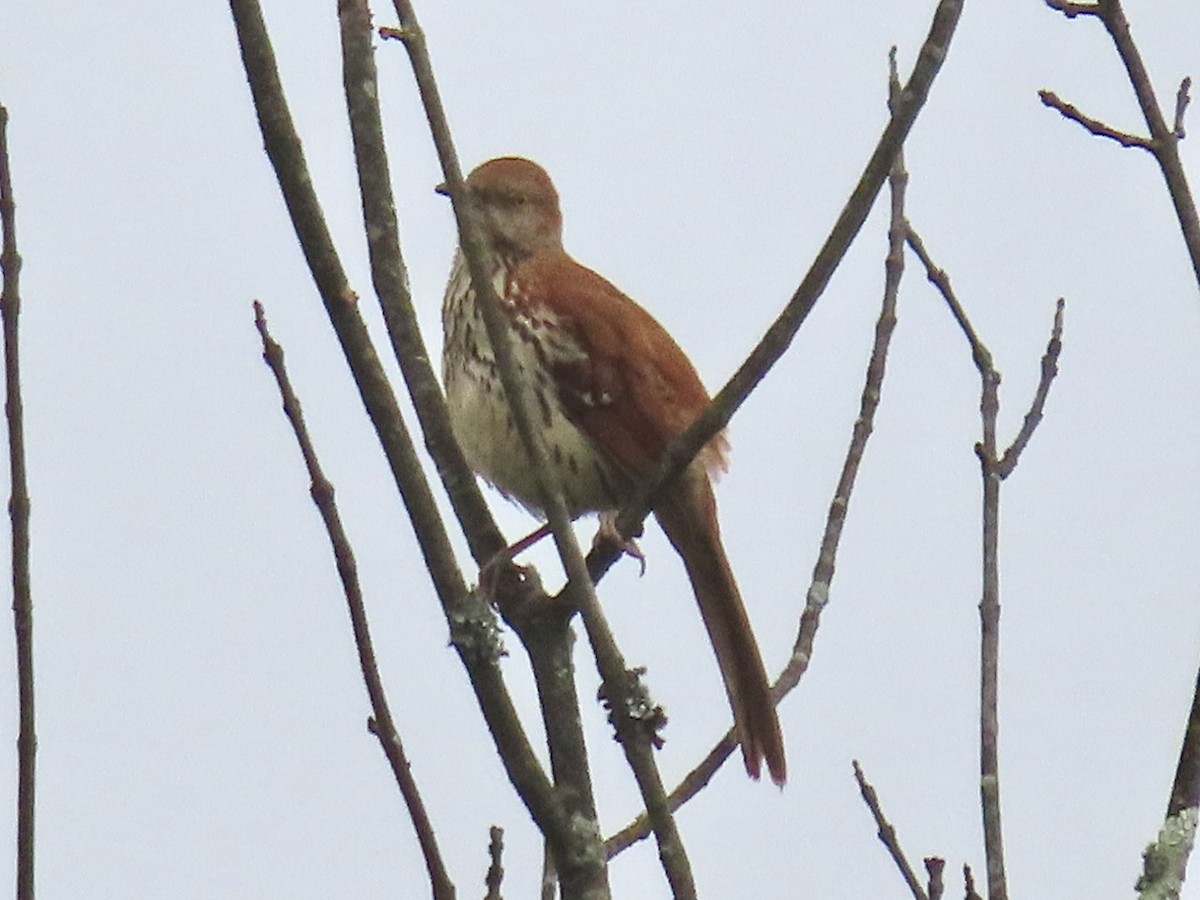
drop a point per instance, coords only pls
(520, 199)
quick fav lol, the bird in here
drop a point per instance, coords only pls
(611, 390)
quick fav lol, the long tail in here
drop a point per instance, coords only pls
(688, 515)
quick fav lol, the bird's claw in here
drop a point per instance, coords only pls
(608, 533)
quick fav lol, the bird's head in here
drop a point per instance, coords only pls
(517, 206)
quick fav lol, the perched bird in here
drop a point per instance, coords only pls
(612, 389)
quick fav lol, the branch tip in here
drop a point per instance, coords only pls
(887, 834)
(1094, 126)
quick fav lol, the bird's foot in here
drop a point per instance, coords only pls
(608, 534)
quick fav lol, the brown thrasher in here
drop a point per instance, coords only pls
(612, 390)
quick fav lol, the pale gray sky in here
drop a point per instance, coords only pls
(201, 716)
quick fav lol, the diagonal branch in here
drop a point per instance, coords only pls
(887, 834)
(1095, 126)
(620, 684)
(389, 277)
(545, 633)
(818, 591)
(472, 623)
(18, 510)
(1164, 139)
(381, 725)
(782, 331)
(1033, 418)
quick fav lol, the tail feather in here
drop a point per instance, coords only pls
(688, 515)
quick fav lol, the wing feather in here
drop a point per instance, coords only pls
(621, 378)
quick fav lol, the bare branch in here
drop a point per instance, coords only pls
(818, 591)
(543, 629)
(1163, 141)
(472, 623)
(817, 595)
(381, 723)
(1095, 126)
(783, 330)
(390, 280)
(495, 872)
(941, 280)
(934, 868)
(989, 605)
(341, 303)
(969, 884)
(887, 834)
(1166, 859)
(18, 510)
(1008, 462)
(621, 690)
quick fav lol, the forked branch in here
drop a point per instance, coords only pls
(472, 623)
(1164, 139)
(621, 685)
(993, 469)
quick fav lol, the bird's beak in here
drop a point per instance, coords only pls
(442, 189)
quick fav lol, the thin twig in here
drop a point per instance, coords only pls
(969, 892)
(939, 278)
(381, 723)
(887, 834)
(495, 872)
(989, 605)
(824, 570)
(1095, 126)
(472, 623)
(935, 868)
(817, 596)
(1008, 462)
(619, 683)
(993, 470)
(818, 591)
(1164, 140)
(18, 510)
(546, 635)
